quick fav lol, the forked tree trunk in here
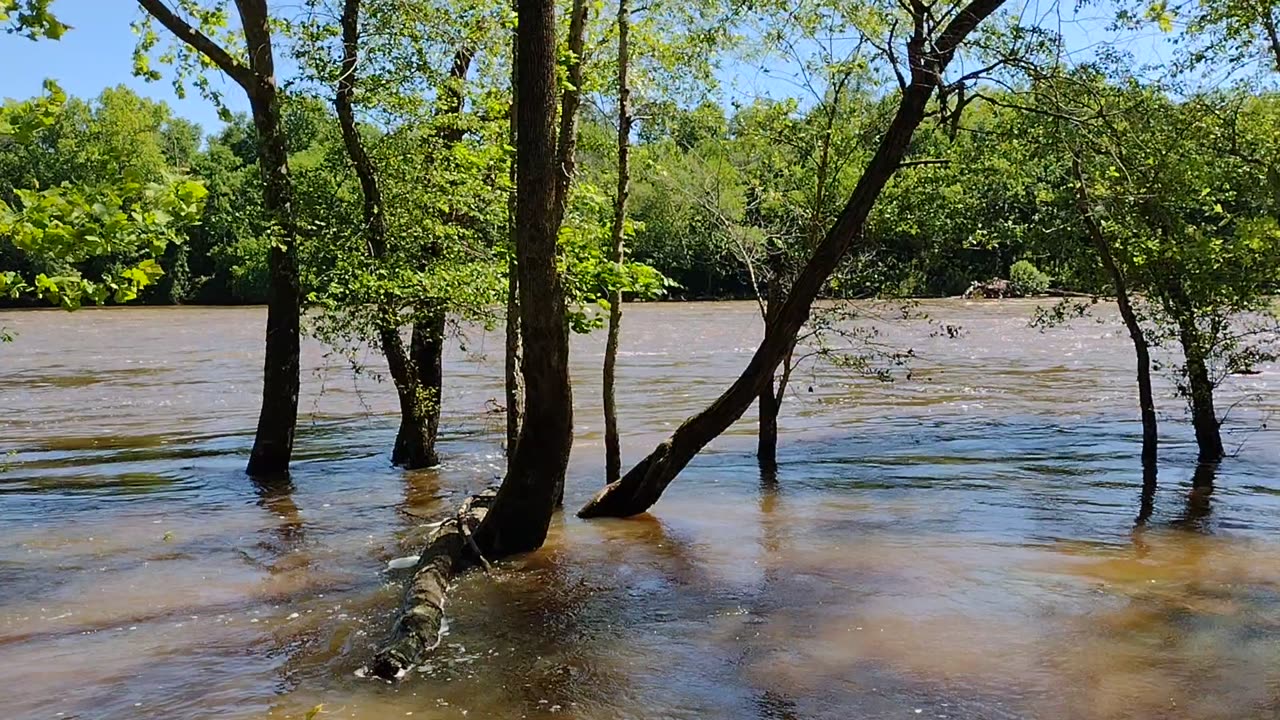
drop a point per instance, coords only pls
(1141, 348)
(612, 444)
(273, 442)
(419, 405)
(641, 487)
(522, 510)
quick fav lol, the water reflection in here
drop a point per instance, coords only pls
(1199, 507)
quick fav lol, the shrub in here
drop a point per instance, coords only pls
(1026, 280)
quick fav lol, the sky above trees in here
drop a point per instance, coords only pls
(97, 53)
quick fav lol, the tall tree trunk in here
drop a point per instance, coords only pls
(522, 510)
(1141, 349)
(273, 442)
(415, 442)
(278, 418)
(567, 140)
(612, 444)
(514, 379)
(641, 487)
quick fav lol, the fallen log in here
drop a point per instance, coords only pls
(450, 550)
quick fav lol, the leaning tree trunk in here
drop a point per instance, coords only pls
(1141, 348)
(612, 444)
(1204, 418)
(641, 487)
(522, 511)
(415, 442)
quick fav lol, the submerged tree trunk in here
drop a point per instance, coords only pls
(273, 442)
(522, 510)
(641, 487)
(1141, 348)
(1204, 418)
(769, 402)
(415, 442)
(612, 444)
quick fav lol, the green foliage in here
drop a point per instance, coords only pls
(84, 239)
(589, 276)
(31, 19)
(1026, 280)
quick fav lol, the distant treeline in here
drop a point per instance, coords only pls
(716, 197)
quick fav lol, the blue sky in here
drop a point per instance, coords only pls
(97, 53)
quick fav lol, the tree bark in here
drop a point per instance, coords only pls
(641, 487)
(1141, 348)
(612, 444)
(522, 510)
(419, 406)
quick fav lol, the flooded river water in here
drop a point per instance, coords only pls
(960, 544)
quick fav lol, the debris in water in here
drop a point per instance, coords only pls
(401, 563)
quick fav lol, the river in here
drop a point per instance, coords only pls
(957, 544)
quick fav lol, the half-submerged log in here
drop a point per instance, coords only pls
(449, 551)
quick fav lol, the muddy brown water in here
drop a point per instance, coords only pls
(960, 544)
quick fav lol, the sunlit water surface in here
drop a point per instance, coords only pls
(960, 544)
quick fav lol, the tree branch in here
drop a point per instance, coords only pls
(202, 43)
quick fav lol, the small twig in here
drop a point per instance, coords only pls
(471, 542)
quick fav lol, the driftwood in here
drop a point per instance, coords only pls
(450, 549)
(994, 288)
